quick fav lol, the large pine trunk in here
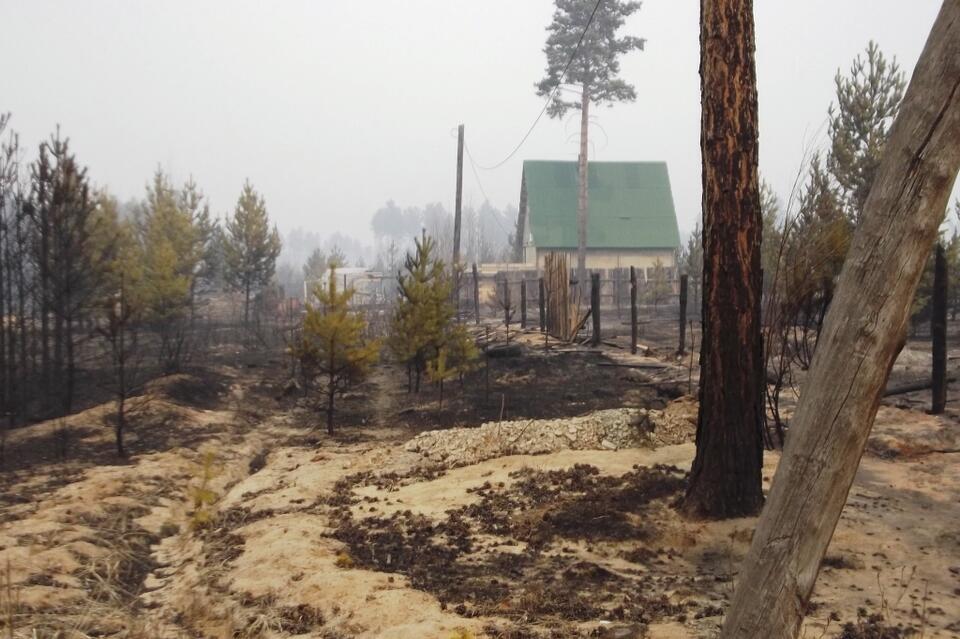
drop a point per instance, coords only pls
(583, 194)
(725, 479)
(863, 331)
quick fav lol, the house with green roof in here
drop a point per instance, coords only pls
(631, 220)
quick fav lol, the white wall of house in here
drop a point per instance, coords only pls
(608, 258)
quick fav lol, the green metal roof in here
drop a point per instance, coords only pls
(630, 205)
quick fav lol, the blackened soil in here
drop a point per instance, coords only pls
(507, 554)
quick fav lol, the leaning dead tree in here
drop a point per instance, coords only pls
(725, 479)
(862, 334)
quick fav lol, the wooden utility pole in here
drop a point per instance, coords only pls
(863, 331)
(523, 303)
(633, 310)
(683, 315)
(595, 306)
(476, 294)
(725, 479)
(543, 307)
(938, 331)
(583, 196)
(457, 216)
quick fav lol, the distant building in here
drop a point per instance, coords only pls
(631, 220)
(370, 287)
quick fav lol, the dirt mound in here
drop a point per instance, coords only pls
(602, 430)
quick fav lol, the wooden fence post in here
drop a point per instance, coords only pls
(683, 315)
(938, 331)
(633, 310)
(476, 293)
(595, 306)
(523, 303)
(543, 308)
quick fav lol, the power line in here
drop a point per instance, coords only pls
(550, 98)
(473, 167)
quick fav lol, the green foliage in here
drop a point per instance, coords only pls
(461, 350)
(771, 245)
(596, 68)
(424, 310)
(315, 266)
(251, 246)
(205, 255)
(820, 237)
(691, 262)
(333, 347)
(423, 333)
(658, 288)
(337, 258)
(868, 100)
(814, 252)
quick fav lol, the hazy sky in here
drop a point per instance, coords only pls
(331, 108)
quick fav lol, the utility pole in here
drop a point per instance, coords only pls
(458, 213)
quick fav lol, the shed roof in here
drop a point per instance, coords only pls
(630, 205)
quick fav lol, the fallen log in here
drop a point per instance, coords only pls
(505, 350)
(651, 365)
(910, 387)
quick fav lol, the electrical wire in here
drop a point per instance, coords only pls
(476, 175)
(550, 98)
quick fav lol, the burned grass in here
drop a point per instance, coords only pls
(575, 504)
(506, 554)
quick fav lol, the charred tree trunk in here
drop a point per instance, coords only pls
(725, 480)
(938, 330)
(595, 306)
(862, 334)
(683, 315)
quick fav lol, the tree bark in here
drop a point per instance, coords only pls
(864, 328)
(583, 194)
(725, 480)
(683, 315)
(938, 330)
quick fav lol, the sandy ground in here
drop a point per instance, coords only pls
(355, 537)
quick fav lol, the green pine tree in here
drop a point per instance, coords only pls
(659, 286)
(333, 348)
(251, 247)
(171, 258)
(868, 100)
(315, 266)
(423, 311)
